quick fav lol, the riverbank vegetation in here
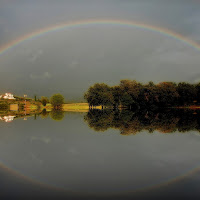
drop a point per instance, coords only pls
(131, 94)
(57, 100)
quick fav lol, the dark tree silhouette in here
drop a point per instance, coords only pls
(44, 100)
(133, 95)
(99, 95)
(57, 100)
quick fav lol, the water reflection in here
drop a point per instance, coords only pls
(57, 115)
(128, 122)
(9, 116)
(67, 155)
(44, 114)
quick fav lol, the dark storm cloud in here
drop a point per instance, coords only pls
(53, 62)
(30, 15)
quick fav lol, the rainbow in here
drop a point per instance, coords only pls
(111, 22)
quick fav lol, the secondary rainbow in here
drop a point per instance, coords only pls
(111, 22)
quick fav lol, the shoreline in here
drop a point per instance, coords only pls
(70, 107)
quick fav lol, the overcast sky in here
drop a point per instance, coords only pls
(69, 61)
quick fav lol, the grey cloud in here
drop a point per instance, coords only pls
(74, 64)
(36, 159)
(96, 53)
(45, 75)
(195, 77)
(36, 55)
(74, 151)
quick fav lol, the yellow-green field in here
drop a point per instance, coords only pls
(77, 107)
(70, 107)
(73, 107)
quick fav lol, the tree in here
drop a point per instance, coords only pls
(57, 100)
(197, 86)
(130, 91)
(126, 100)
(134, 95)
(167, 93)
(116, 93)
(187, 93)
(99, 94)
(44, 101)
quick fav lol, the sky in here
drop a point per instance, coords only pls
(69, 61)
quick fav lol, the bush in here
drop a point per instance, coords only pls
(57, 100)
(44, 101)
(4, 106)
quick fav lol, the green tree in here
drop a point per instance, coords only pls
(187, 93)
(126, 100)
(130, 91)
(99, 94)
(167, 93)
(44, 100)
(197, 87)
(57, 100)
(116, 93)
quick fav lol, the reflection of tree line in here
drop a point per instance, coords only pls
(128, 122)
(57, 115)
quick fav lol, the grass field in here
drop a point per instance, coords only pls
(72, 107)
(77, 107)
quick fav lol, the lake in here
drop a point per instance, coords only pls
(71, 157)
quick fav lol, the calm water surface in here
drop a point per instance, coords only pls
(68, 155)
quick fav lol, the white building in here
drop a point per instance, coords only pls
(7, 96)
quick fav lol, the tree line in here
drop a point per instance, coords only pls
(56, 100)
(132, 94)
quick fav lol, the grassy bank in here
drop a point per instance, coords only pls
(72, 107)
(76, 107)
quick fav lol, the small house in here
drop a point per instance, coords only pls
(7, 96)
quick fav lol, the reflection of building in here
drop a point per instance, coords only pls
(14, 107)
(7, 96)
(9, 118)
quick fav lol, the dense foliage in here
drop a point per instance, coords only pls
(57, 100)
(4, 106)
(44, 100)
(132, 94)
